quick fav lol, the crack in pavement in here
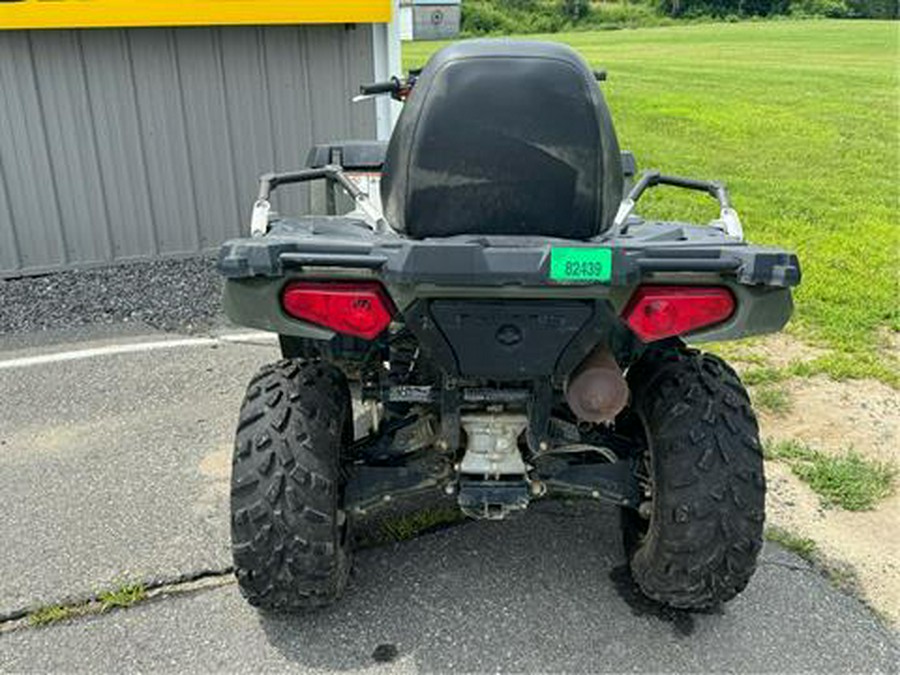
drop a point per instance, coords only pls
(788, 566)
(157, 589)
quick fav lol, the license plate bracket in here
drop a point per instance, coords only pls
(580, 264)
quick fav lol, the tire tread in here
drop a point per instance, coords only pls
(290, 553)
(709, 503)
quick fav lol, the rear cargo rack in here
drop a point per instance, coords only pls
(728, 217)
(262, 208)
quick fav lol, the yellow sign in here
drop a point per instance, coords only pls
(122, 13)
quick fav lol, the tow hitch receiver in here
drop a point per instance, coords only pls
(493, 499)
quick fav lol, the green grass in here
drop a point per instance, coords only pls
(847, 480)
(121, 597)
(412, 525)
(51, 614)
(774, 399)
(839, 574)
(765, 375)
(800, 118)
(125, 595)
(802, 546)
(874, 364)
(787, 450)
(878, 364)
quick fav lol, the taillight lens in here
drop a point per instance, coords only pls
(657, 312)
(361, 309)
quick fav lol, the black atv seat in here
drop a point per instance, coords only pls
(503, 137)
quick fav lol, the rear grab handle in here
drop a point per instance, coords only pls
(259, 220)
(728, 217)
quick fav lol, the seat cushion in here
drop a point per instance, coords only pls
(503, 137)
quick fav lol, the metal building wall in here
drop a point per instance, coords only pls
(121, 144)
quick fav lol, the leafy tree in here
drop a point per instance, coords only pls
(875, 9)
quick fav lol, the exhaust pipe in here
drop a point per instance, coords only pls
(596, 391)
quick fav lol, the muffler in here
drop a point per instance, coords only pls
(597, 391)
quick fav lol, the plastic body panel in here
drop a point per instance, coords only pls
(483, 260)
(514, 338)
(501, 267)
(352, 155)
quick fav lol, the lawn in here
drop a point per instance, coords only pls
(800, 118)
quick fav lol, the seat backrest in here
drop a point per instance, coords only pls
(503, 137)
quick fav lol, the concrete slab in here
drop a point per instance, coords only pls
(542, 593)
(116, 468)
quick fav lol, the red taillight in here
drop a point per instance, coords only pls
(361, 309)
(657, 312)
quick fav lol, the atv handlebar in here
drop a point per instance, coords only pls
(391, 86)
(397, 88)
(400, 89)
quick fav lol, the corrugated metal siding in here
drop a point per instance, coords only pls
(120, 144)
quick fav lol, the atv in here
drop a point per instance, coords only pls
(481, 312)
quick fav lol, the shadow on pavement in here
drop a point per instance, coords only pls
(547, 591)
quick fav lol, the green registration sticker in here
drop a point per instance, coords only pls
(568, 265)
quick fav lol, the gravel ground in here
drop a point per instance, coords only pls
(183, 295)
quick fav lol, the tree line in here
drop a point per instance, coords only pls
(480, 17)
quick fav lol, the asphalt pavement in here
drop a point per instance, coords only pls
(115, 469)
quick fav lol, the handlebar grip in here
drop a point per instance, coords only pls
(378, 88)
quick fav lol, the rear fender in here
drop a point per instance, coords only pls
(256, 303)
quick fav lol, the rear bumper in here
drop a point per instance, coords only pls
(663, 248)
(501, 268)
